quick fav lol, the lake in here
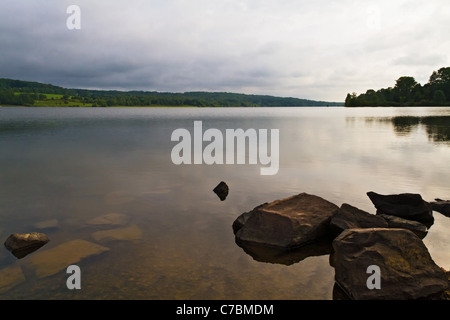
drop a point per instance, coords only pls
(105, 176)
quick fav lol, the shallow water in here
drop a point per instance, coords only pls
(75, 164)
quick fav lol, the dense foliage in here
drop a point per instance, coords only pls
(16, 92)
(407, 92)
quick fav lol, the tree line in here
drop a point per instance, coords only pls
(17, 92)
(407, 92)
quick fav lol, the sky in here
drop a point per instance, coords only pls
(319, 50)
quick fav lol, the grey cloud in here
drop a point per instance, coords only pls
(308, 49)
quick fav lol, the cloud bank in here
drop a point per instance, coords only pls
(317, 50)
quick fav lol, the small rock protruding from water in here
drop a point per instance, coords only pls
(441, 206)
(406, 205)
(221, 190)
(21, 245)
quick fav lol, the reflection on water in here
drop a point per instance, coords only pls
(74, 165)
(436, 127)
(286, 257)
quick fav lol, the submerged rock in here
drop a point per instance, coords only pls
(47, 224)
(407, 270)
(119, 197)
(51, 261)
(10, 277)
(109, 220)
(221, 190)
(286, 223)
(128, 233)
(407, 206)
(350, 217)
(21, 245)
(441, 206)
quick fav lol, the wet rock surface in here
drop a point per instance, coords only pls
(396, 222)
(441, 206)
(407, 270)
(22, 244)
(406, 205)
(221, 190)
(286, 223)
(350, 217)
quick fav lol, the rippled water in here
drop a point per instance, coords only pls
(67, 166)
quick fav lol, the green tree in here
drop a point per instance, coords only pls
(440, 80)
(439, 98)
(350, 101)
(404, 88)
(440, 77)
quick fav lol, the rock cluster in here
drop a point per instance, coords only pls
(391, 240)
(103, 230)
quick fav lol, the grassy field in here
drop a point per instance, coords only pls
(53, 96)
(56, 100)
(153, 106)
(60, 103)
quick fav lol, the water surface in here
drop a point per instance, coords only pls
(74, 164)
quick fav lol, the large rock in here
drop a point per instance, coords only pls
(407, 206)
(441, 206)
(350, 217)
(407, 270)
(396, 222)
(287, 223)
(22, 244)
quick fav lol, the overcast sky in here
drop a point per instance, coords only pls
(318, 50)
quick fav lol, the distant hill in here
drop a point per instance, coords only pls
(17, 92)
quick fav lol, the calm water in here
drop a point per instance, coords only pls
(70, 165)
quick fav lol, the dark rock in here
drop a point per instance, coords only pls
(287, 223)
(350, 217)
(221, 190)
(242, 219)
(407, 206)
(407, 270)
(339, 294)
(21, 245)
(446, 294)
(396, 222)
(441, 206)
